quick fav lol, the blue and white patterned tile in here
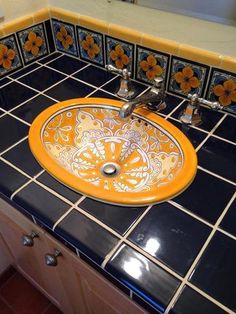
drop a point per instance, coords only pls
(119, 53)
(9, 55)
(222, 88)
(33, 43)
(90, 46)
(187, 77)
(64, 35)
(151, 64)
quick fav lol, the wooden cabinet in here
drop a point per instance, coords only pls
(72, 285)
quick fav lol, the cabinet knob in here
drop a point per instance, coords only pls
(51, 259)
(28, 239)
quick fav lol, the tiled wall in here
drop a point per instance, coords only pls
(184, 69)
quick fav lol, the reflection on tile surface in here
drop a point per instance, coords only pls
(219, 157)
(192, 302)
(68, 89)
(227, 129)
(216, 269)
(89, 237)
(10, 179)
(37, 79)
(13, 131)
(41, 204)
(58, 187)
(229, 221)
(170, 235)
(14, 94)
(94, 75)
(207, 196)
(29, 111)
(143, 277)
(112, 215)
(67, 64)
(21, 157)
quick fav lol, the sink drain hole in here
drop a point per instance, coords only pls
(110, 169)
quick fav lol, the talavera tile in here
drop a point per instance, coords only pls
(90, 46)
(222, 88)
(151, 64)
(64, 35)
(9, 55)
(187, 77)
(119, 53)
(33, 43)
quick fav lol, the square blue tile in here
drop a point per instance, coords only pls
(64, 37)
(215, 273)
(207, 196)
(229, 221)
(10, 56)
(90, 45)
(67, 64)
(227, 129)
(119, 53)
(187, 77)
(33, 43)
(170, 235)
(42, 78)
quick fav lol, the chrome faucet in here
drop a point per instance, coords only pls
(191, 114)
(153, 99)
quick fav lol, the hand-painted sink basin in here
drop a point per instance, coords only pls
(84, 144)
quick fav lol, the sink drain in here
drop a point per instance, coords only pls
(110, 169)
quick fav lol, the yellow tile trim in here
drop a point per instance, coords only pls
(93, 24)
(199, 55)
(64, 15)
(18, 24)
(124, 33)
(41, 15)
(160, 44)
(228, 64)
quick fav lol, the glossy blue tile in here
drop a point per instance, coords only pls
(114, 85)
(25, 70)
(95, 241)
(207, 196)
(29, 111)
(10, 179)
(14, 94)
(50, 57)
(58, 187)
(229, 221)
(195, 136)
(42, 78)
(216, 273)
(94, 76)
(192, 302)
(21, 157)
(67, 64)
(219, 157)
(41, 204)
(209, 117)
(112, 215)
(227, 129)
(146, 279)
(1, 112)
(170, 235)
(13, 131)
(68, 89)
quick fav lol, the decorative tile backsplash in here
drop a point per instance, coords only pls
(181, 76)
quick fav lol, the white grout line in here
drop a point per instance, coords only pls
(39, 61)
(173, 110)
(19, 119)
(12, 146)
(16, 168)
(216, 175)
(62, 217)
(224, 139)
(197, 259)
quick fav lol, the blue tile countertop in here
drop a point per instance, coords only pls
(176, 257)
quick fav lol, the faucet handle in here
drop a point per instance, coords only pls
(123, 72)
(196, 101)
(158, 81)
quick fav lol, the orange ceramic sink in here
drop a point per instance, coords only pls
(139, 161)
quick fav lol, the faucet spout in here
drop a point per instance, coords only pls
(153, 99)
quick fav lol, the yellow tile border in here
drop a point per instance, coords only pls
(149, 41)
(93, 24)
(124, 33)
(199, 55)
(160, 44)
(65, 15)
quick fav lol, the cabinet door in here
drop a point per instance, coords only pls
(30, 260)
(87, 290)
